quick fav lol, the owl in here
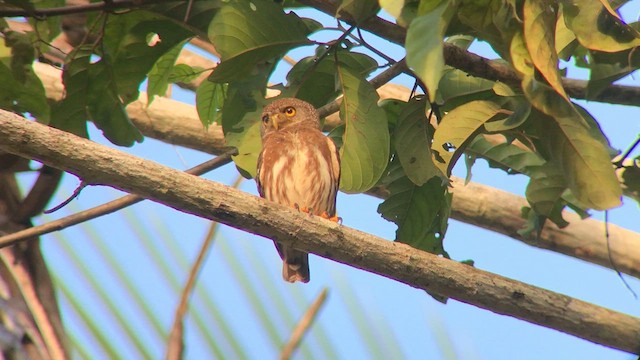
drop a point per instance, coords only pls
(299, 167)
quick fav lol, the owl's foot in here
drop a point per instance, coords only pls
(337, 219)
(305, 210)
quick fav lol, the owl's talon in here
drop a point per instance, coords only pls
(337, 219)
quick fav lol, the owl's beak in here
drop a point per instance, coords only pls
(274, 121)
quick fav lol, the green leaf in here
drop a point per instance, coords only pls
(70, 114)
(106, 107)
(358, 10)
(603, 75)
(545, 190)
(315, 81)
(456, 83)
(249, 33)
(183, 73)
(630, 175)
(412, 143)
(131, 53)
(539, 35)
(420, 212)
(424, 45)
(161, 71)
(200, 13)
(596, 28)
(457, 128)
(517, 118)
(365, 151)
(210, 98)
(48, 28)
(584, 159)
(241, 118)
(20, 88)
(505, 156)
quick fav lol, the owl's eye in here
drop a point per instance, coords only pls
(290, 111)
(265, 119)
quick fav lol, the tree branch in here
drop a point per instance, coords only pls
(477, 65)
(76, 9)
(177, 123)
(98, 164)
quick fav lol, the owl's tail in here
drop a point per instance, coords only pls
(295, 264)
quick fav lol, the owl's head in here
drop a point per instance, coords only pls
(284, 113)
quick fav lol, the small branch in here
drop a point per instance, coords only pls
(67, 10)
(99, 164)
(303, 325)
(75, 194)
(103, 209)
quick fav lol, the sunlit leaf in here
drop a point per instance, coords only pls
(249, 33)
(596, 28)
(412, 143)
(539, 35)
(424, 45)
(457, 128)
(365, 151)
(183, 73)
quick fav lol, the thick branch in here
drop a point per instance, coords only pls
(98, 164)
(477, 65)
(177, 123)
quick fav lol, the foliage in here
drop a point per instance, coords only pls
(545, 135)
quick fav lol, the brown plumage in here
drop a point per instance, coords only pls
(298, 167)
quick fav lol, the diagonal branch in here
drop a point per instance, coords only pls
(98, 164)
(104, 209)
(177, 123)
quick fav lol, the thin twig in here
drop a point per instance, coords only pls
(75, 194)
(103, 209)
(613, 264)
(176, 336)
(303, 325)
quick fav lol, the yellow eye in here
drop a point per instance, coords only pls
(290, 111)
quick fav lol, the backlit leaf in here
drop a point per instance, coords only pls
(365, 150)
(584, 160)
(161, 71)
(539, 35)
(420, 212)
(424, 45)
(131, 51)
(209, 100)
(457, 128)
(596, 28)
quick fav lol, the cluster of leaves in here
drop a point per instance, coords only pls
(541, 133)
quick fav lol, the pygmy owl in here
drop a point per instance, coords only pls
(298, 166)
